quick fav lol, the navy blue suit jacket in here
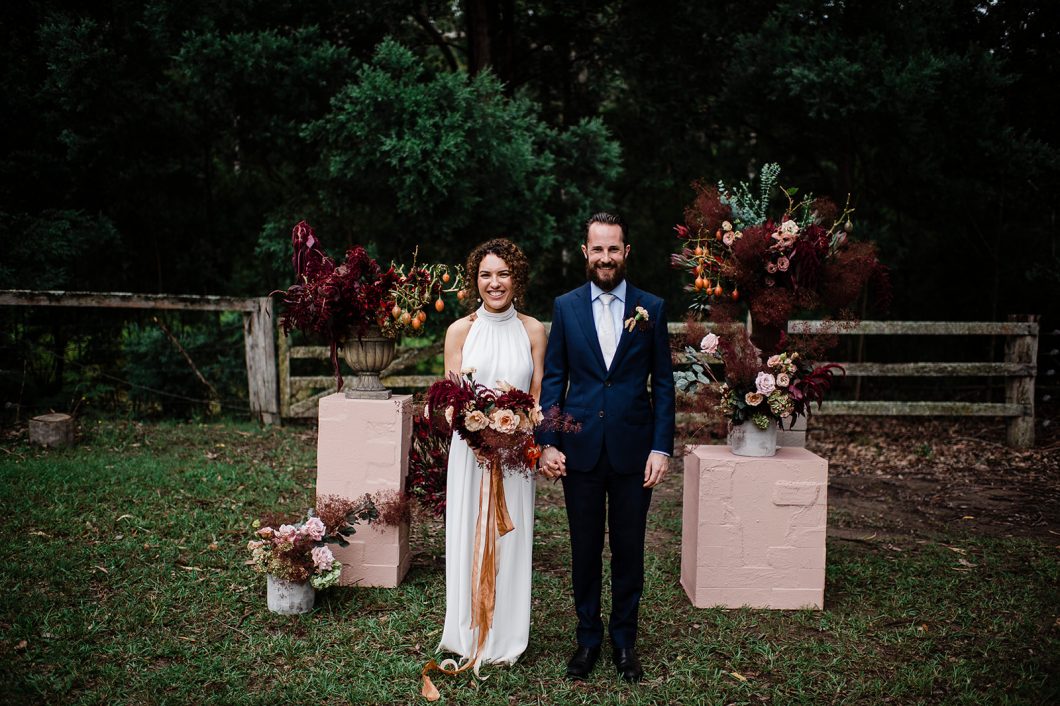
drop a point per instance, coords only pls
(614, 406)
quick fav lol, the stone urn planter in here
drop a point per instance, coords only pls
(290, 597)
(367, 357)
(748, 440)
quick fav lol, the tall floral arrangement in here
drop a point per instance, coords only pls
(736, 252)
(357, 297)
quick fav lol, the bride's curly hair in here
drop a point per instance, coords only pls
(513, 257)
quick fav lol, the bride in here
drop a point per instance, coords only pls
(500, 344)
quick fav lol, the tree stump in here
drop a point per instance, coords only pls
(52, 430)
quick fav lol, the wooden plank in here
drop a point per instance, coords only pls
(938, 369)
(261, 362)
(920, 328)
(920, 409)
(411, 381)
(126, 300)
(1022, 350)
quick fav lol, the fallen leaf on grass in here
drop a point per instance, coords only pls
(738, 676)
(968, 517)
(957, 549)
(101, 569)
(22, 644)
(189, 639)
(965, 562)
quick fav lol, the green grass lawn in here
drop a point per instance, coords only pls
(123, 581)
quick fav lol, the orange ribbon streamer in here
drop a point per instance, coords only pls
(493, 521)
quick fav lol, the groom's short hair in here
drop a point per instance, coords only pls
(610, 219)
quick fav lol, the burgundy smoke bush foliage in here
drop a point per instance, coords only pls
(845, 275)
(826, 210)
(742, 359)
(772, 307)
(336, 512)
(707, 212)
(393, 506)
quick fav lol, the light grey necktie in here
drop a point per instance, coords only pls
(605, 329)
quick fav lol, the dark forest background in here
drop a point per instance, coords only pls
(170, 146)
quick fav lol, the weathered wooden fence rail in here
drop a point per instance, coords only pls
(1018, 369)
(257, 329)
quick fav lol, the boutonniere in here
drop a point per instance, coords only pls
(640, 320)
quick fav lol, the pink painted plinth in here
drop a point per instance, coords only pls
(753, 529)
(363, 447)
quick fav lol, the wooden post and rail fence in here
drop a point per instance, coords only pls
(298, 394)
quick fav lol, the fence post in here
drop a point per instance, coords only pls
(1020, 389)
(284, 360)
(261, 361)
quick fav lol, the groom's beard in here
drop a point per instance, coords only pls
(606, 278)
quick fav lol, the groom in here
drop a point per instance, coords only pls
(607, 339)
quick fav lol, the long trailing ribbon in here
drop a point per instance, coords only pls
(493, 521)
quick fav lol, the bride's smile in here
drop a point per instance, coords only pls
(495, 283)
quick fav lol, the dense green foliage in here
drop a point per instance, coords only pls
(169, 147)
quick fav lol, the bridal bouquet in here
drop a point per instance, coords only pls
(299, 552)
(498, 424)
(782, 388)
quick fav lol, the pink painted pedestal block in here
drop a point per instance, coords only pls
(363, 447)
(753, 529)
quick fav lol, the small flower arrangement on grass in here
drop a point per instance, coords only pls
(781, 389)
(357, 297)
(299, 552)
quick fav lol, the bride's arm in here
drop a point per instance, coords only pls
(538, 342)
(455, 336)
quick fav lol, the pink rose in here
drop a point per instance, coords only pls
(783, 380)
(476, 421)
(753, 399)
(709, 344)
(765, 383)
(287, 533)
(504, 421)
(323, 558)
(782, 263)
(728, 238)
(314, 529)
(773, 361)
(771, 267)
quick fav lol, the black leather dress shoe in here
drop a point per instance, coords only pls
(582, 662)
(628, 664)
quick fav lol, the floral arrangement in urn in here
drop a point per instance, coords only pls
(780, 389)
(356, 298)
(735, 252)
(299, 552)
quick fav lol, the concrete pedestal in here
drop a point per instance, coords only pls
(363, 447)
(753, 529)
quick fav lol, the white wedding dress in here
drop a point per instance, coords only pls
(498, 348)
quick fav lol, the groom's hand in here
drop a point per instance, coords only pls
(553, 463)
(655, 469)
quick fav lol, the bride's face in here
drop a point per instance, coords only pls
(495, 285)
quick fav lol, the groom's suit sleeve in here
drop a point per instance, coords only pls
(662, 386)
(554, 381)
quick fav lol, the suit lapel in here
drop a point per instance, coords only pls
(583, 308)
(632, 299)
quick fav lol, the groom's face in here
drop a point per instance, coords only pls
(605, 255)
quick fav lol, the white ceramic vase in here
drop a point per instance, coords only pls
(290, 597)
(748, 440)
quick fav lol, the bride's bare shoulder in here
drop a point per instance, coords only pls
(460, 327)
(532, 325)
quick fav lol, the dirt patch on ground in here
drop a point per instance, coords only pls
(918, 476)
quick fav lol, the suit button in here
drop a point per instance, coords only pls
(601, 413)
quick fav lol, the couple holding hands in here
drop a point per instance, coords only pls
(608, 338)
